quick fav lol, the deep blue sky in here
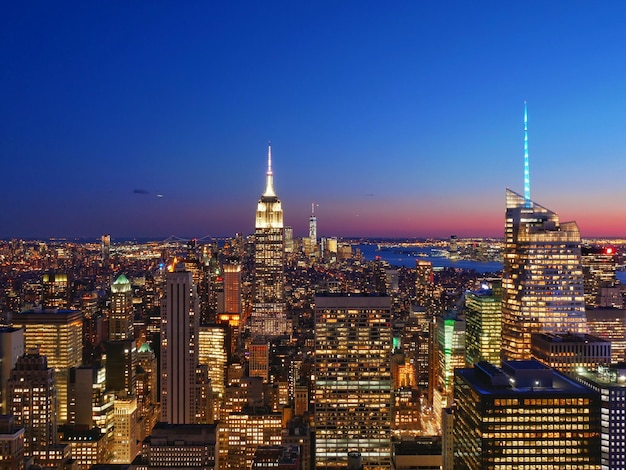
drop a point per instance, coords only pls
(398, 119)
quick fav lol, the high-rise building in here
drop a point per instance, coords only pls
(58, 335)
(599, 265)
(610, 382)
(11, 348)
(313, 226)
(32, 400)
(524, 415)
(454, 247)
(543, 277)
(179, 347)
(568, 352)
(246, 430)
(90, 404)
(212, 353)
(542, 271)
(125, 430)
(268, 312)
(484, 324)
(105, 243)
(353, 384)
(121, 367)
(121, 316)
(147, 396)
(259, 363)
(55, 291)
(450, 356)
(232, 288)
(609, 323)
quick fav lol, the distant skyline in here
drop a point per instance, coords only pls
(144, 119)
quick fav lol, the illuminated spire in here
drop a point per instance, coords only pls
(269, 187)
(312, 209)
(526, 163)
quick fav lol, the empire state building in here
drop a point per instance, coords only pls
(268, 312)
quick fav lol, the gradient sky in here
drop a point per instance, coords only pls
(397, 118)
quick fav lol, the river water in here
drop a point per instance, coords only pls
(409, 256)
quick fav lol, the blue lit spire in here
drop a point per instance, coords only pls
(526, 163)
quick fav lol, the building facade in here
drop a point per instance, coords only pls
(353, 383)
(179, 352)
(524, 415)
(542, 276)
(268, 310)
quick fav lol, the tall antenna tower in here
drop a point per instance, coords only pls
(526, 163)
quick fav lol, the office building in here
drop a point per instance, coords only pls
(58, 336)
(599, 265)
(450, 356)
(313, 226)
(212, 353)
(259, 363)
(105, 246)
(279, 457)
(179, 347)
(232, 288)
(88, 446)
(121, 367)
(11, 348)
(268, 310)
(610, 383)
(524, 415)
(121, 315)
(125, 430)
(90, 403)
(147, 393)
(353, 384)
(543, 279)
(609, 324)
(55, 292)
(31, 398)
(11, 443)
(179, 446)
(422, 453)
(568, 352)
(426, 294)
(246, 430)
(484, 324)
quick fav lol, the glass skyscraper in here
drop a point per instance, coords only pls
(543, 276)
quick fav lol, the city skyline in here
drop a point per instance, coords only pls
(144, 120)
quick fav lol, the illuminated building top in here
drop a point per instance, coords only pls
(121, 284)
(269, 213)
(269, 187)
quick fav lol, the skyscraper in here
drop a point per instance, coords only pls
(58, 336)
(353, 386)
(524, 416)
(313, 226)
(542, 272)
(55, 291)
(268, 312)
(121, 317)
(543, 277)
(32, 399)
(484, 324)
(179, 351)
